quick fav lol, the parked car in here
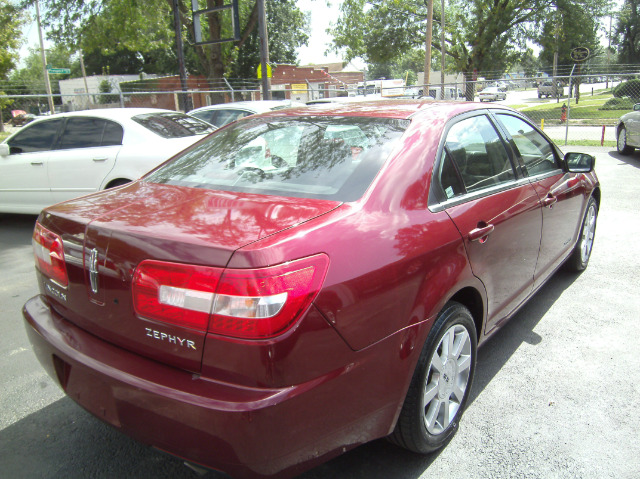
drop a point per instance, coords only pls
(492, 93)
(22, 119)
(67, 155)
(628, 131)
(547, 90)
(273, 297)
(224, 113)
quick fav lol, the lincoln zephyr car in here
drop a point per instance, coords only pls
(304, 281)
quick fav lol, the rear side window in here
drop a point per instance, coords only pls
(222, 117)
(173, 125)
(474, 158)
(35, 137)
(324, 158)
(90, 132)
(536, 152)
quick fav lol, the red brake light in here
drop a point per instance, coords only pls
(264, 302)
(242, 303)
(175, 293)
(49, 253)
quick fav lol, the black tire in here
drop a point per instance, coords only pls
(424, 428)
(581, 254)
(621, 144)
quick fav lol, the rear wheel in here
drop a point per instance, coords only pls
(579, 258)
(116, 183)
(441, 383)
(623, 148)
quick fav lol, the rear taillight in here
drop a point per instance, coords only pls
(49, 253)
(242, 303)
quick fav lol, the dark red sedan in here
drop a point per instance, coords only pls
(304, 281)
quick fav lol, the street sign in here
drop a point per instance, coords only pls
(580, 54)
(61, 71)
(269, 71)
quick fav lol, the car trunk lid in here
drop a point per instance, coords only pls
(107, 235)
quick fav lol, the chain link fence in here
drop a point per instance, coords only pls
(580, 109)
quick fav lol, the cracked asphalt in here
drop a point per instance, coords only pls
(556, 392)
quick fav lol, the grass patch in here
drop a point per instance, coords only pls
(587, 111)
(607, 143)
(3, 135)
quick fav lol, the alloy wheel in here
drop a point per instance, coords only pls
(622, 139)
(588, 233)
(447, 379)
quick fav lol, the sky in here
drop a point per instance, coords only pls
(322, 13)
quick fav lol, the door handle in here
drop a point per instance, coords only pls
(100, 159)
(481, 232)
(549, 201)
(37, 163)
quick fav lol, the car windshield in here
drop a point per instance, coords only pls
(173, 125)
(308, 157)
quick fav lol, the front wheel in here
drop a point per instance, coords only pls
(441, 383)
(579, 258)
(622, 146)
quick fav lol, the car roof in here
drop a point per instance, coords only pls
(394, 109)
(259, 106)
(115, 113)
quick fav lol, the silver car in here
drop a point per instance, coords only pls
(492, 93)
(628, 131)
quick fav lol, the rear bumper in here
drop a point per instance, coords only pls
(246, 432)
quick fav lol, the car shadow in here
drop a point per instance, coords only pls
(632, 160)
(69, 442)
(381, 459)
(16, 230)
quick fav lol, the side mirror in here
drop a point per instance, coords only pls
(4, 149)
(636, 107)
(580, 162)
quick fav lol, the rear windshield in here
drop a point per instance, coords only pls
(307, 157)
(173, 125)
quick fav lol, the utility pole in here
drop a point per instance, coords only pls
(427, 56)
(177, 24)
(555, 59)
(264, 50)
(442, 52)
(84, 75)
(44, 62)
(609, 54)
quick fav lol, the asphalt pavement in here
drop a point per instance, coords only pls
(555, 394)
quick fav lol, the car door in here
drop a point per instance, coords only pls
(562, 194)
(85, 154)
(496, 211)
(632, 124)
(24, 181)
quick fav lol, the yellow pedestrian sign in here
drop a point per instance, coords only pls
(269, 72)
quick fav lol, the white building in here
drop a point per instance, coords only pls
(76, 97)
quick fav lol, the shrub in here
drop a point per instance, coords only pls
(619, 104)
(630, 88)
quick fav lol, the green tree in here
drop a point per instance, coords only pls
(144, 30)
(11, 21)
(29, 79)
(405, 66)
(627, 32)
(488, 36)
(565, 29)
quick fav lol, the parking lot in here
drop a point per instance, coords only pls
(555, 394)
